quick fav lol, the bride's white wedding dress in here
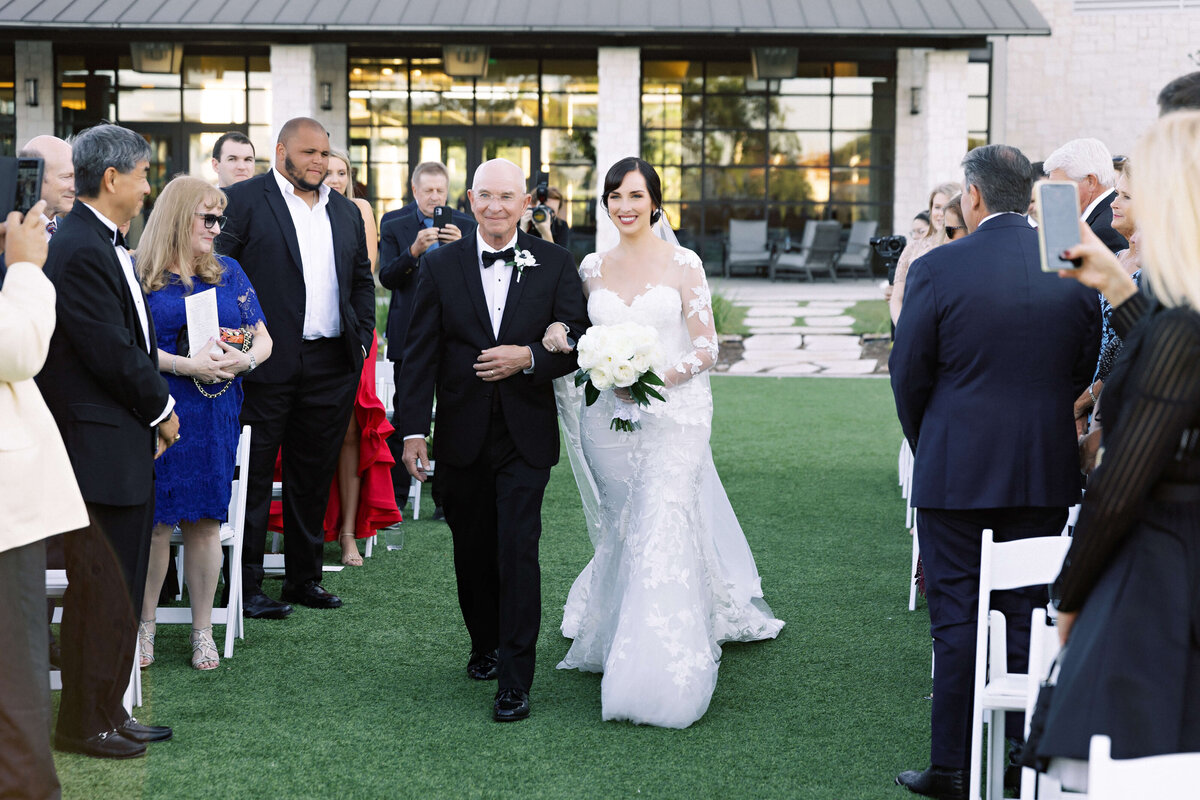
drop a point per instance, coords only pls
(673, 576)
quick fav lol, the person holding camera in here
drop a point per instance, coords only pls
(544, 220)
(408, 234)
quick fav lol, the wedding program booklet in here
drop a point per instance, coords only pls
(202, 321)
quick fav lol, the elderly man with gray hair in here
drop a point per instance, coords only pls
(115, 414)
(1089, 164)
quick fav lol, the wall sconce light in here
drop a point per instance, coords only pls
(914, 102)
(326, 96)
(31, 93)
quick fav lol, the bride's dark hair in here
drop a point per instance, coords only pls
(617, 173)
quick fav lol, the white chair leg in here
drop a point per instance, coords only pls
(996, 760)
(414, 497)
(912, 573)
(369, 546)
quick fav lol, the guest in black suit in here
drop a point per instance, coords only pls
(406, 235)
(115, 414)
(991, 427)
(304, 249)
(476, 338)
(1088, 163)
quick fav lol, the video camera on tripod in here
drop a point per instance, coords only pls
(889, 248)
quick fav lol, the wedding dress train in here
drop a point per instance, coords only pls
(672, 577)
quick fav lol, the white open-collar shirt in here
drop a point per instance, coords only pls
(314, 234)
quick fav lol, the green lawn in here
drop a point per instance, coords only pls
(870, 316)
(372, 701)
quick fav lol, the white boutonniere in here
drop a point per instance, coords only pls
(521, 260)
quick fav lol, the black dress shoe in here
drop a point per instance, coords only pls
(109, 744)
(137, 732)
(511, 705)
(483, 666)
(259, 606)
(311, 594)
(943, 784)
(438, 514)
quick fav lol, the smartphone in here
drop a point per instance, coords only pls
(1058, 222)
(442, 216)
(20, 184)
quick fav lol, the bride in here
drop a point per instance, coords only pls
(672, 577)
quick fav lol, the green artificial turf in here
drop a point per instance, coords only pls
(372, 700)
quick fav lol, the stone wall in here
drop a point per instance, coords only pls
(34, 60)
(618, 128)
(297, 72)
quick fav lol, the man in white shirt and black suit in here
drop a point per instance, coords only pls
(305, 250)
(1089, 164)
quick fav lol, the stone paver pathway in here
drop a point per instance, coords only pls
(799, 328)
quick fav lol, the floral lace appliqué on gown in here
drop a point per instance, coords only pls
(672, 577)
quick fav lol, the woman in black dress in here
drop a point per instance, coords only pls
(1129, 591)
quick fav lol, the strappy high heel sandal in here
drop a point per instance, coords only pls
(145, 643)
(204, 649)
(350, 554)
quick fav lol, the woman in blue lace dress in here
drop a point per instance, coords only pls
(175, 259)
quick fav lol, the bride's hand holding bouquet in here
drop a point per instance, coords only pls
(621, 357)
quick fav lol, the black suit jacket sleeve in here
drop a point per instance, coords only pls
(422, 351)
(91, 298)
(914, 360)
(570, 310)
(362, 286)
(397, 267)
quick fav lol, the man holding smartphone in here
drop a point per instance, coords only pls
(405, 236)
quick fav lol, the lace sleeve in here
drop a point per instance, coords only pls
(1163, 392)
(247, 298)
(589, 271)
(698, 316)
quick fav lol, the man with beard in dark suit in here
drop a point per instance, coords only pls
(304, 249)
(1089, 165)
(405, 236)
(482, 305)
(990, 354)
(102, 385)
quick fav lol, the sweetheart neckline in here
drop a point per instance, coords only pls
(630, 304)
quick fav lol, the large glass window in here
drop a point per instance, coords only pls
(979, 79)
(730, 146)
(8, 107)
(405, 110)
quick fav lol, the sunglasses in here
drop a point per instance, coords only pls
(951, 228)
(212, 219)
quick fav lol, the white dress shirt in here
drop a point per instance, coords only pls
(497, 275)
(139, 299)
(322, 315)
(1087, 212)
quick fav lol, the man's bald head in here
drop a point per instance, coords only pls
(499, 171)
(498, 198)
(58, 172)
(295, 125)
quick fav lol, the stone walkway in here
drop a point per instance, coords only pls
(799, 328)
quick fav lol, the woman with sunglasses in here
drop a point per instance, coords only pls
(175, 260)
(955, 228)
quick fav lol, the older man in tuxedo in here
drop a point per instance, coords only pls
(1089, 165)
(113, 409)
(989, 356)
(475, 339)
(405, 236)
(305, 250)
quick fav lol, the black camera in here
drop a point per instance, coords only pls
(541, 211)
(889, 249)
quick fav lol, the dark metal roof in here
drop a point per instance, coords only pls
(916, 18)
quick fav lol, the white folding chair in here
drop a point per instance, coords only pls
(1167, 777)
(232, 535)
(414, 490)
(912, 573)
(56, 586)
(1043, 647)
(1004, 565)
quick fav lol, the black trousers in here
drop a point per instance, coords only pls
(951, 541)
(26, 764)
(401, 480)
(106, 579)
(494, 509)
(306, 416)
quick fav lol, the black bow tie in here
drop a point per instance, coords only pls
(506, 256)
(118, 239)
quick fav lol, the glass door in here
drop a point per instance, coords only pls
(463, 148)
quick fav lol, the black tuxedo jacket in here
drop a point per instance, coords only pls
(260, 234)
(101, 381)
(990, 354)
(1100, 221)
(450, 326)
(398, 269)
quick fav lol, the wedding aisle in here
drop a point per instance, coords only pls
(372, 701)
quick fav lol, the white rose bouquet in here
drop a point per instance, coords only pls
(622, 356)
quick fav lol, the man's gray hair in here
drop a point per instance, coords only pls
(96, 149)
(1082, 157)
(1002, 175)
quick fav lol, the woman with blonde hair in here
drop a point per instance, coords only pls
(175, 260)
(1129, 591)
(362, 499)
(938, 198)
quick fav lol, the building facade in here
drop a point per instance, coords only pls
(784, 111)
